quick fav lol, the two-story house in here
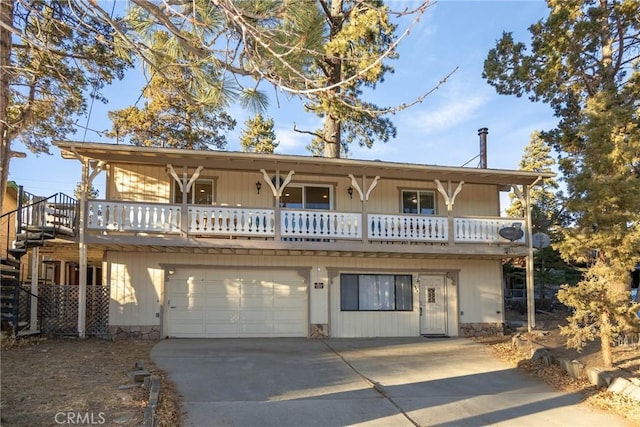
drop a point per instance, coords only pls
(226, 244)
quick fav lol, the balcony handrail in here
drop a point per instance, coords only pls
(217, 220)
(230, 221)
(424, 228)
(320, 224)
(109, 215)
(484, 229)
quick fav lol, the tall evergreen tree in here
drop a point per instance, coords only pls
(584, 63)
(52, 54)
(324, 51)
(545, 216)
(258, 135)
(537, 158)
(170, 117)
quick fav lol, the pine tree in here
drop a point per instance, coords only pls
(537, 158)
(170, 117)
(258, 135)
(325, 52)
(52, 54)
(583, 63)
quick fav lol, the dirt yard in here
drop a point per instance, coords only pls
(84, 382)
(45, 381)
(626, 360)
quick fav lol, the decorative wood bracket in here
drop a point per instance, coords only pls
(449, 197)
(180, 182)
(97, 168)
(193, 179)
(354, 184)
(277, 188)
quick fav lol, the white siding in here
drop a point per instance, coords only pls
(236, 188)
(481, 292)
(474, 294)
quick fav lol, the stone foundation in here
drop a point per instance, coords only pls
(319, 331)
(482, 329)
(134, 332)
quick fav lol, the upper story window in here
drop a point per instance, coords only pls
(306, 197)
(418, 202)
(201, 193)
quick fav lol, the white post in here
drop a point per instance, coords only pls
(63, 273)
(35, 269)
(531, 303)
(82, 248)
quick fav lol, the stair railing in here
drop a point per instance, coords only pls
(38, 218)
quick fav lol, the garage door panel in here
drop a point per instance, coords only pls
(222, 301)
(249, 290)
(255, 275)
(220, 315)
(221, 329)
(224, 289)
(237, 303)
(189, 316)
(289, 301)
(288, 316)
(257, 329)
(255, 303)
(288, 330)
(256, 316)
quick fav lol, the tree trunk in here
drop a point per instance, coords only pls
(331, 137)
(605, 339)
(331, 134)
(6, 17)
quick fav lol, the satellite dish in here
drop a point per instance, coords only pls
(512, 233)
(540, 240)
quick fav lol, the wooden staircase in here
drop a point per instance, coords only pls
(35, 221)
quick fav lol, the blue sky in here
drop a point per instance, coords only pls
(441, 130)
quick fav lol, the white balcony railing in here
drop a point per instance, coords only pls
(131, 216)
(304, 224)
(231, 221)
(408, 227)
(320, 224)
(483, 230)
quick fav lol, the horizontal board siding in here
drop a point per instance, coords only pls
(135, 183)
(477, 200)
(481, 298)
(236, 188)
(136, 281)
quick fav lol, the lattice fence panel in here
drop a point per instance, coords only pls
(58, 310)
(97, 310)
(24, 304)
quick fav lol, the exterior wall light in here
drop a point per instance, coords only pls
(258, 186)
(350, 191)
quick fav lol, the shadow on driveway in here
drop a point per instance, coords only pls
(373, 382)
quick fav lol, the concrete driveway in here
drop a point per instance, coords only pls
(373, 382)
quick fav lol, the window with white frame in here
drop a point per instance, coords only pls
(297, 196)
(376, 292)
(418, 202)
(201, 193)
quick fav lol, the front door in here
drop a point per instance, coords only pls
(433, 305)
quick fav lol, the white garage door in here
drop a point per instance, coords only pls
(236, 303)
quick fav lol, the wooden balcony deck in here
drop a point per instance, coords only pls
(113, 217)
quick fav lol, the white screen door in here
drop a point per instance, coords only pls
(433, 306)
